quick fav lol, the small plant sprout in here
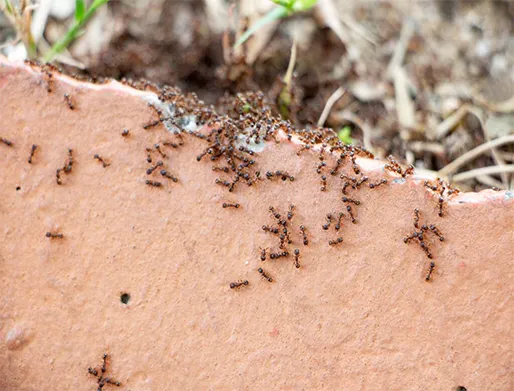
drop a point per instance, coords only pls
(345, 135)
(82, 15)
(285, 8)
(20, 17)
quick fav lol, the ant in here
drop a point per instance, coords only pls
(217, 168)
(430, 270)
(157, 165)
(278, 255)
(166, 174)
(329, 221)
(32, 152)
(305, 147)
(323, 183)
(101, 160)
(222, 182)
(336, 167)
(394, 167)
(238, 284)
(68, 166)
(377, 184)
(291, 212)
(302, 231)
(297, 258)
(230, 205)
(53, 235)
(125, 133)
(151, 124)
(351, 200)
(263, 254)
(171, 144)
(58, 176)
(420, 232)
(264, 274)
(153, 183)
(158, 149)
(338, 224)
(102, 381)
(272, 230)
(334, 242)
(69, 101)
(350, 212)
(6, 142)
(320, 166)
(149, 155)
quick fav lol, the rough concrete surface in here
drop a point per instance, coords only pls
(355, 316)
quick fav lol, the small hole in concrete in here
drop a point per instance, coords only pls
(18, 188)
(461, 388)
(125, 298)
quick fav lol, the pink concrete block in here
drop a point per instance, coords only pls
(356, 315)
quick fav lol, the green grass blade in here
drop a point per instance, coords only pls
(73, 32)
(274, 14)
(80, 9)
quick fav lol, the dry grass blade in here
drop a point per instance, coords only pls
(471, 174)
(338, 94)
(404, 103)
(401, 48)
(329, 15)
(450, 122)
(472, 154)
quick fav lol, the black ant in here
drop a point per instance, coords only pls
(430, 270)
(166, 174)
(272, 230)
(6, 142)
(264, 274)
(153, 183)
(151, 124)
(152, 169)
(158, 149)
(69, 101)
(102, 381)
(274, 212)
(420, 235)
(148, 155)
(393, 166)
(302, 231)
(336, 167)
(68, 166)
(222, 182)
(32, 152)
(238, 284)
(338, 224)
(323, 183)
(297, 258)
(125, 133)
(58, 176)
(217, 168)
(279, 255)
(291, 212)
(351, 200)
(329, 221)
(377, 184)
(334, 242)
(171, 144)
(305, 147)
(350, 212)
(263, 254)
(53, 235)
(101, 160)
(230, 205)
(320, 166)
